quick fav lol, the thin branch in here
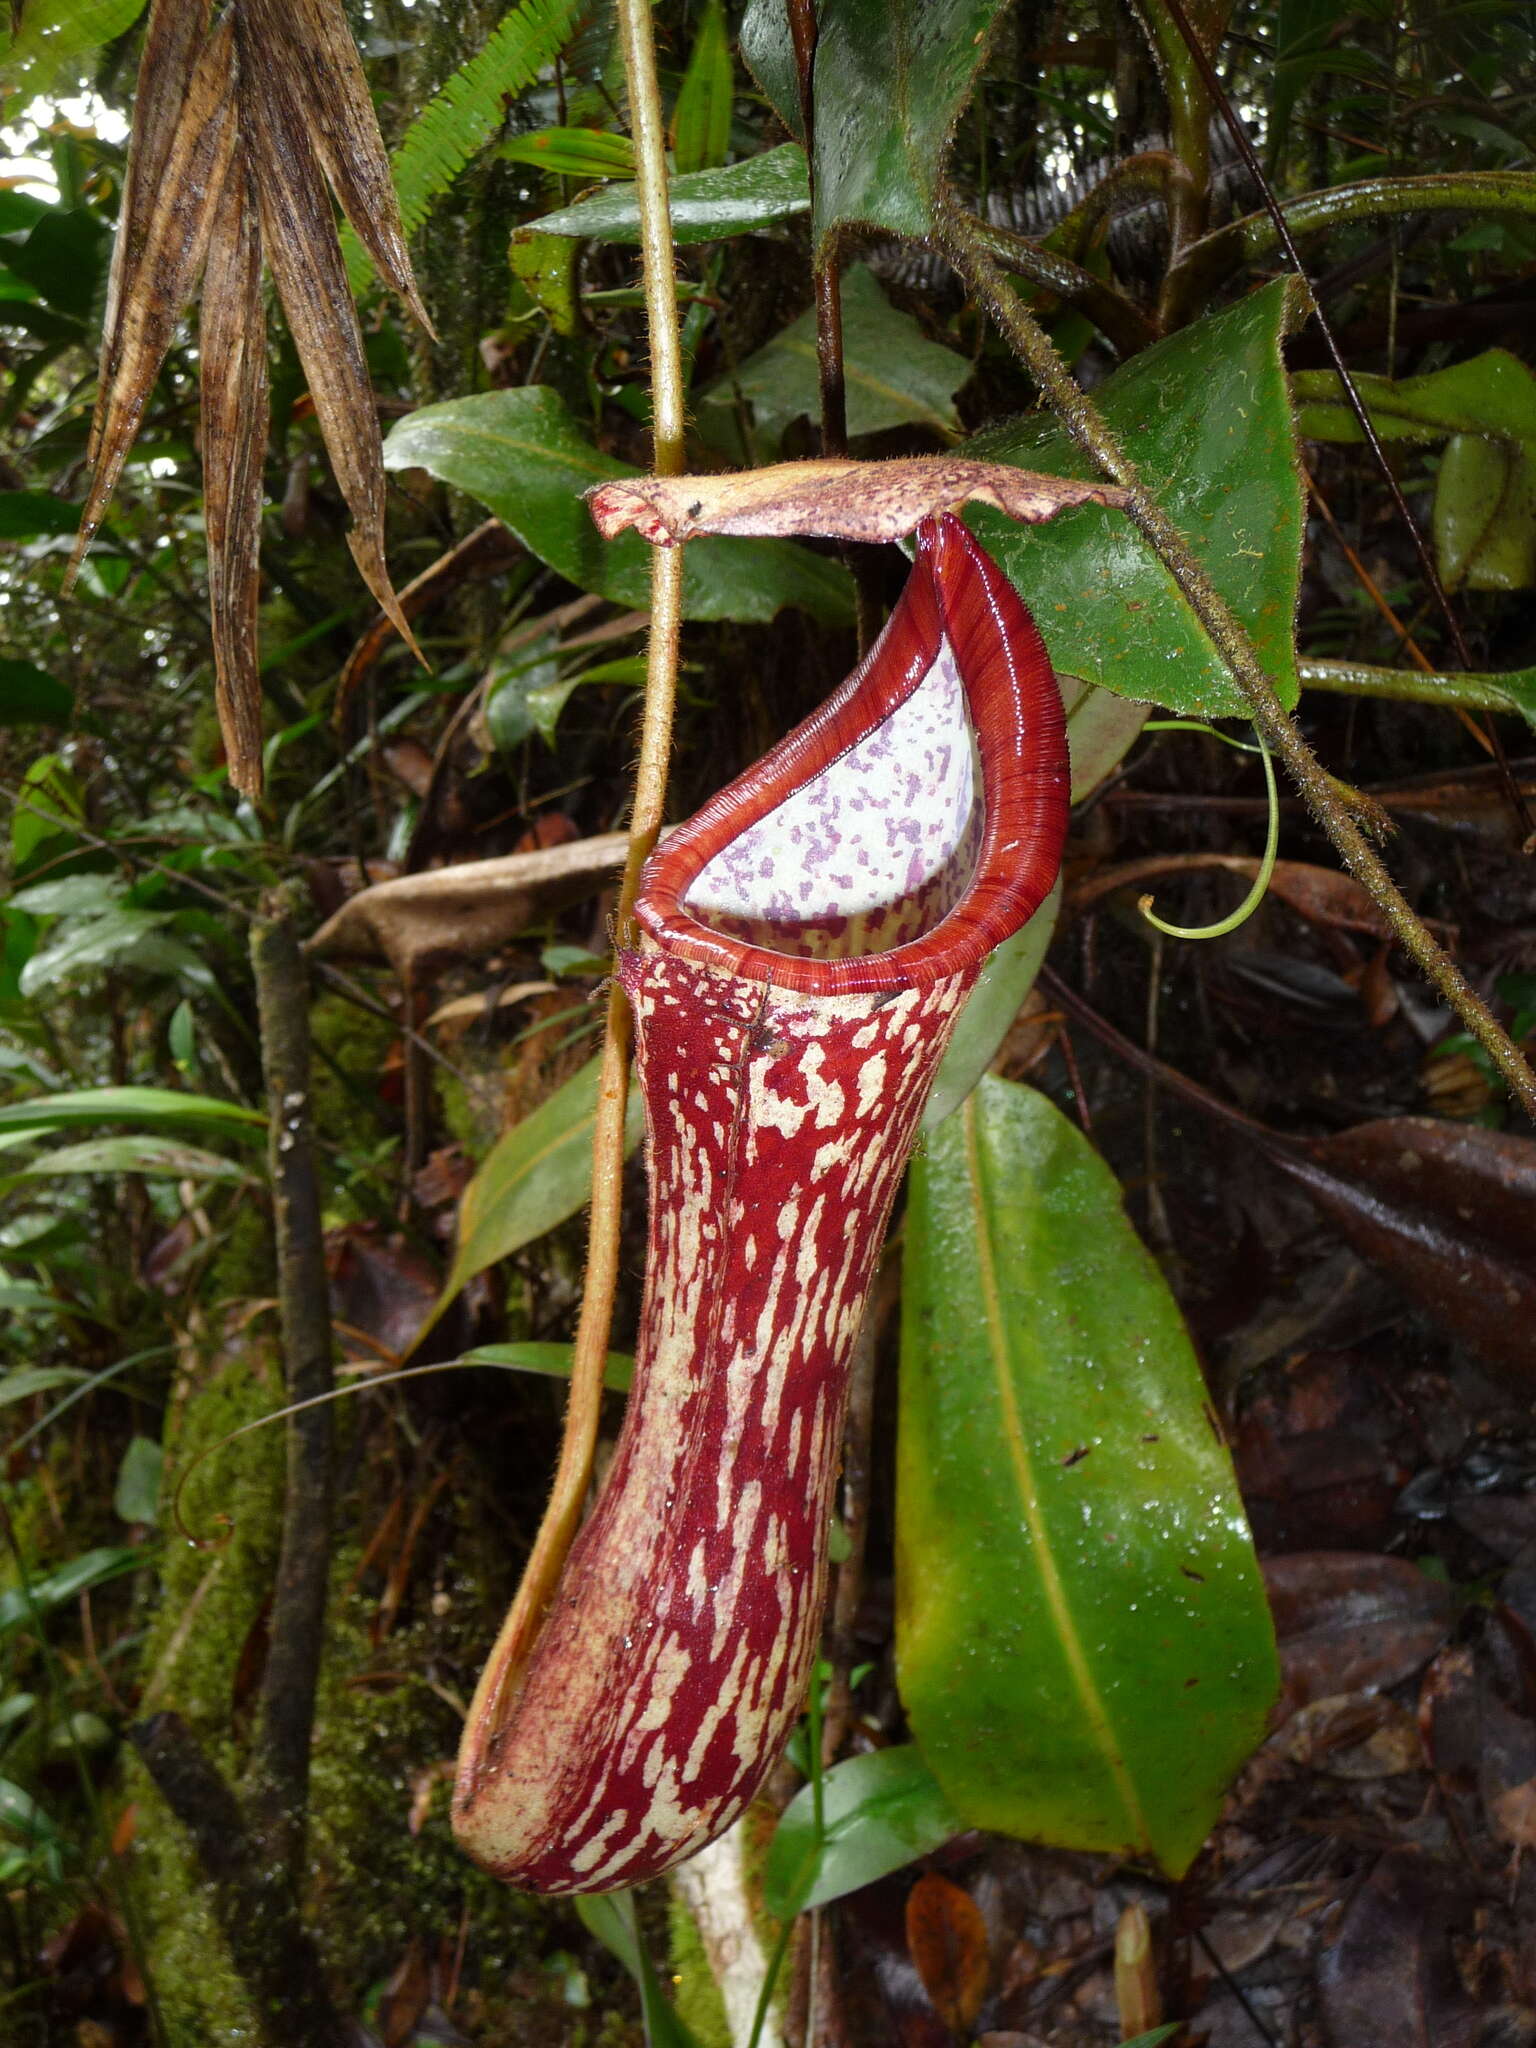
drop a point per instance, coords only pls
(279, 1771)
(1091, 432)
(589, 1355)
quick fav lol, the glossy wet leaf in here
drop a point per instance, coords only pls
(572, 152)
(894, 376)
(706, 206)
(162, 1157)
(1006, 979)
(701, 120)
(1353, 1621)
(1206, 416)
(879, 1812)
(891, 79)
(1485, 515)
(522, 454)
(535, 1176)
(1083, 1646)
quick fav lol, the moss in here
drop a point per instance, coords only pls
(694, 1990)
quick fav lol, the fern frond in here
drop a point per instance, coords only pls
(468, 108)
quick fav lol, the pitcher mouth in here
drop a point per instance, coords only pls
(907, 827)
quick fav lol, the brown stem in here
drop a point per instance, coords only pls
(279, 1767)
(1122, 324)
(1092, 433)
(254, 1906)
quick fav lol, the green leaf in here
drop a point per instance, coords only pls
(25, 1381)
(1206, 417)
(1083, 1644)
(1485, 514)
(30, 696)
(91, 1568)
(572, 152)
(1100, 730)
(467, 112)
(35, 515)
(48, 805)
(701, 120)
(1005, 980)
(706, 206)
(894, 377)
(545, 267)
(892, 78)
(145, 1153)
(522, 455)
(534, 1177)
(878, 1813)
(85, 943)
(21, 1815)
(1485, 495)
(137, 1496)
(611, 1917)
(551, 1360)
(64, 258)
(54, 35)
(155, 1107)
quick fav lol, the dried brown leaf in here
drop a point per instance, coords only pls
(468, 910)
(173, 36)
(343, 128)
(156, 282)
(1351, 1621)
(233, 341)
(864, 501)
(304, 256)
(947, 1941)
(1389, 1974)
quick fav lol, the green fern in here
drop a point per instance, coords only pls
(466, 111)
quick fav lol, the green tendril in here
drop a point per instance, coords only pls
(1261, 880)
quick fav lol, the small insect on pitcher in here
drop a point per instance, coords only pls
(808, 940)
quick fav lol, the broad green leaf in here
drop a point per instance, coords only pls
(573, 152)
(892, 78)
(30, 696)
(545, 267)
(1485, 496)
(137, 1496)
(164, 1157)
(894, 377)
(1083, 1645)
(36, 515)
(21, 1815)
(1485, 514)
(878, 1813)
(522, 455)
(611, 1917)
(72, 895)
(1100, 730)
(48, 805)
(83, 943)
(52, 36)
(535, 1176)
(553, 1361)
(64, 258)
(92, 1568)
(1005, 980)
(154, 1107)
(701, 120)
(1206, 416)
(706, 206)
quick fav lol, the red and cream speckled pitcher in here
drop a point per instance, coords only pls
(809, 940)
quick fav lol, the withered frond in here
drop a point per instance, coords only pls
(241, 134)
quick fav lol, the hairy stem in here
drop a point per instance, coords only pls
(1092, 433)
(573, 1474)
(1123, 325)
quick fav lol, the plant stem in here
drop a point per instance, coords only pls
(1093, 435)
(1123, 325)
(279, 1771)
(589, 1355)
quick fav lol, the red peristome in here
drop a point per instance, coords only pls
(956, 591)
(783, 1094)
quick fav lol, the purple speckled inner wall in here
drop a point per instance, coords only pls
(871, 852)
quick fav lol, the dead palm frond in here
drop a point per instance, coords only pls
(242, 132)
